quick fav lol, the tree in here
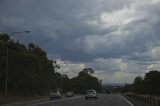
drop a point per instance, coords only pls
(88, 70)
(138, 84)
(152, 82)
(30, 70)
(85, 81)
(149, 84)
(4, 38)
(32, 73)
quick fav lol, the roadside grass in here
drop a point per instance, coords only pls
(14, 99)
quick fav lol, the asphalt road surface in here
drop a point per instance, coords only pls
(103, 100)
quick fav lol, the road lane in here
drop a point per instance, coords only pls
(56, 101)
(103, 100)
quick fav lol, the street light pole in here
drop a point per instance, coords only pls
(6, 81)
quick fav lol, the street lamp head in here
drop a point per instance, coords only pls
(20, 32)
(27, 31)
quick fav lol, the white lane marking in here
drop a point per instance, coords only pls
(54, 101)
(126, 100)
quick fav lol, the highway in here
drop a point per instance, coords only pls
(103, 100)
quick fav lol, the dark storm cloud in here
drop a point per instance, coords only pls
(62, 21)
(112, 36)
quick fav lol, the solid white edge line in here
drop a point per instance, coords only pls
(54, 101)
(126, 100)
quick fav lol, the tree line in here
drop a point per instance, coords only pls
(31, 72)
(149, 84)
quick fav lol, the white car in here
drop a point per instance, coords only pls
(55, 94)
(91, 94)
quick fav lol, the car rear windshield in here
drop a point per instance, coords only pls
(91, 91)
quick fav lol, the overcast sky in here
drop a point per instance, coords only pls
(119, 39)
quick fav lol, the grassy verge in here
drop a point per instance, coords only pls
(13, 99)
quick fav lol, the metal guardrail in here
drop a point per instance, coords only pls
(148, 101)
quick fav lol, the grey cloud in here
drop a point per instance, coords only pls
(62, 21)
(138, 35)
(87, 30)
